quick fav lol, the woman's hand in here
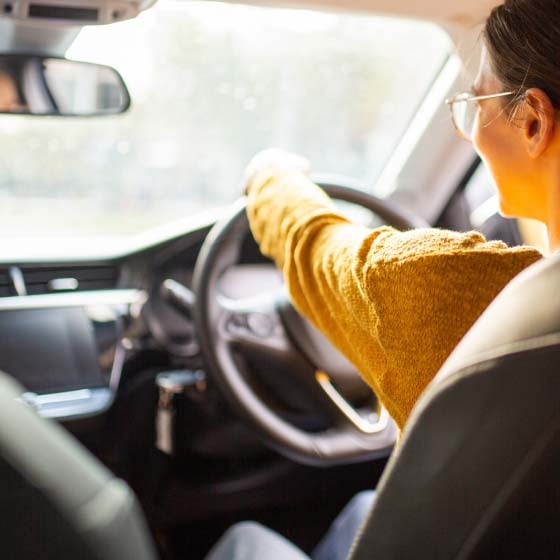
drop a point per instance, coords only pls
(272, 161)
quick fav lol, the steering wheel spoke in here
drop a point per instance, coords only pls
(254, 325)
(372, 423)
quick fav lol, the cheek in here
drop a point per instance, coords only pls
(488, 147)
(499, 149)
(494, 151)
(484, 139)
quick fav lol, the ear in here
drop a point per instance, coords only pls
(538, 122)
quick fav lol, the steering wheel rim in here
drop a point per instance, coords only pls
(343, 444)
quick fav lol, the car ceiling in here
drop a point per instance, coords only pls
(463, 13)
(455, 16)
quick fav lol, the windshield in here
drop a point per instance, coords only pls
(211, 84)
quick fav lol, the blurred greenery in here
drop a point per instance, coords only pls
(211, 85)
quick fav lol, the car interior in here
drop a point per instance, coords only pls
(158, 386)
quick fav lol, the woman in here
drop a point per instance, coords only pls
(398, 303)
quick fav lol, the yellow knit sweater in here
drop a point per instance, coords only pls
(395, 303)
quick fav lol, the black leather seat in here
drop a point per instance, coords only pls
(476, 474)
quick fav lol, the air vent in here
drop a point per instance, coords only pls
(6, 283)
(45, 280)
(70, 13)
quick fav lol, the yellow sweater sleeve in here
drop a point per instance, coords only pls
(395, 303)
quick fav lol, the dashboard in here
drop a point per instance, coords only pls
(68, 328)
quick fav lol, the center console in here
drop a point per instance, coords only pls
(65, 349)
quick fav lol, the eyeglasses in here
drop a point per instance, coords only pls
(464, 111)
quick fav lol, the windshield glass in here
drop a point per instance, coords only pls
(211, 84)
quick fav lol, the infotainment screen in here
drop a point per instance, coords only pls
(50, 350)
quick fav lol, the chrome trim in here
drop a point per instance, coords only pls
(19, 282)
(71, 405)
(362, 424)
(63, 284)
(73, 299)
(116, 370)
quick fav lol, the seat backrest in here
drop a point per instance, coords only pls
(57, 501)
(478, 469)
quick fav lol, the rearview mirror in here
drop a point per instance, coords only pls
(37, 85)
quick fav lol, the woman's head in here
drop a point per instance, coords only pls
(522, 38)
(518, 135)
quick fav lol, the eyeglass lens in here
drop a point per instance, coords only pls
(464, 114)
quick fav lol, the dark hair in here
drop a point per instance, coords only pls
(522, 38)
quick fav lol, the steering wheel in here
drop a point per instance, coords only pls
(229, 329)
